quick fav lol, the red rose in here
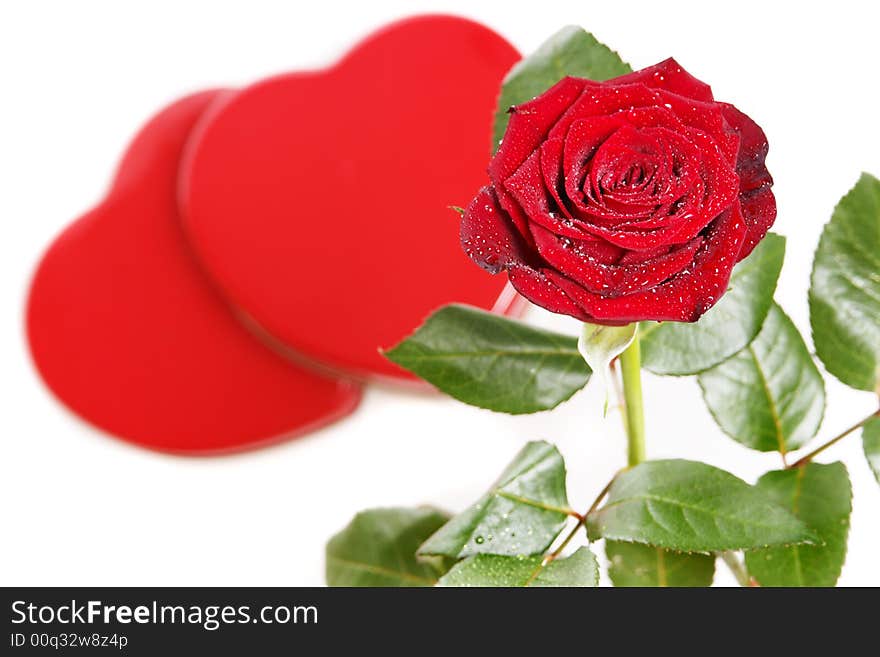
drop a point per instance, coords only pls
(625, 200)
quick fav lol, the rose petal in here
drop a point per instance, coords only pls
(686, 296)
(651, 117)
(602, 100)
(669, 75)
(582, 143)
(529, 125)
(600, 250)
(526, 188)
(514, 212)
(706, 117)
(610, 279)
(584, 137)
(535, 286)
(487, 235)
(722, 182)
(759, 213)
(623, 149)
(756, 197)
(635, 257)
(551, 170)
(677, 178)
(750, 161)
(721, 188)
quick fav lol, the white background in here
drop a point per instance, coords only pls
(77, 79)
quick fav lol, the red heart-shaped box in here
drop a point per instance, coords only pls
(319, 201)
(126, 329)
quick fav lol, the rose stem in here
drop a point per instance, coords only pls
(580, 523)
(843, 434)
(631, 372)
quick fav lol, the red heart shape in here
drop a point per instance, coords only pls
(128, 332)
(320, 201)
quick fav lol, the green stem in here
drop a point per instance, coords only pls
(582, 519)
(631, 372)
(843, 434)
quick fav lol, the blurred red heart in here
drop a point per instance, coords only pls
(320, 201)
(128, 332)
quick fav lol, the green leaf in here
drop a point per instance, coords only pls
(569, 52)
(378, 548)
(821, 496)
(580, 569)
(769, 396)
(493, 362)
(678, 348)
(692, 507)
(871, 443)
(632, 564)
(845, 288)
(521, 514)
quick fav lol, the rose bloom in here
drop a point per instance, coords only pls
(625, 200)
